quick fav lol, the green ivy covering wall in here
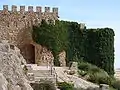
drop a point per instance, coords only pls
(100, 48)
(95, 46)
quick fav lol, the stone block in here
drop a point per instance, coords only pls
(22, 9)
(3, 82)
(4, 48)
(104, 87)
(62, 59)
(14, 8)
(55, 10)
(47, 9)
(30, 8)
(5, 7)
(38, 9)
(17, 87)
(30, 76)
(74, 66)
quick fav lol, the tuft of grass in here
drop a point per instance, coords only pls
(116, 84)
(93, 73)
(96, 75)
(89, 68)
(65, 86)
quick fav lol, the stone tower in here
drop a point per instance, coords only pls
(16, 27)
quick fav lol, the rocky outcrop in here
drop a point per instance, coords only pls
(79, 83)
(3, 82)
(62, 57)
(44, 57)
(11, 72)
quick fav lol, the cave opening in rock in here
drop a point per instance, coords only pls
(28, 52)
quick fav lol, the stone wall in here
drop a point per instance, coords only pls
(16, 27)
(43, 56)
(62, 58)
(11, 71)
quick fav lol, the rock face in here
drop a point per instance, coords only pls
(74, 66)
(80, 83)
(11, 72)
(3, 82)
(62, 57)
(44, 57)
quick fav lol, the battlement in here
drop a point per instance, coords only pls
(30, 9)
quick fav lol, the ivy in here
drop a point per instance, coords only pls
(101, 48)
(95, 46)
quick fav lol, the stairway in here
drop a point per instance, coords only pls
(37, 74)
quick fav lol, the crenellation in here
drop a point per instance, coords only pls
(38, 9)
(30, 8)
(55, 10)
(22, 9)
(14, 8)
(47, 9)
(82, 25)
(5, 7)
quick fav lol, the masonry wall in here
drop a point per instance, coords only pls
(16, 26)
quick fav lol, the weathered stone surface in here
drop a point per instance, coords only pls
(17, 87)
(79, 83)
(10, 66)
(43, 56)
(62, 57)
(16, 27)
(3, 82)
(104, 87)
(74, 66)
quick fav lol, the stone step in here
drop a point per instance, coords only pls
(45, 78)
(40, 71)
(37, 74)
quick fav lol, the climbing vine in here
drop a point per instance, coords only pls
(95, 46)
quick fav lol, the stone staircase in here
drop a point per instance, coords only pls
(37, 74)
(41, 74)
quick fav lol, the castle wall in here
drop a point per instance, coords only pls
(43, 57)
(16, 26)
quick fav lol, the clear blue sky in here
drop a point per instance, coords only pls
(94, 13)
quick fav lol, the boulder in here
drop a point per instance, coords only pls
(3, 82)
(11, 70)
(62, 57)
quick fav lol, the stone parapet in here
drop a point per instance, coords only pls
(30, 8)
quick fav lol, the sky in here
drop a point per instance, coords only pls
(94, 13)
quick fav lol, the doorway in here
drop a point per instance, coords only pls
(28, 52)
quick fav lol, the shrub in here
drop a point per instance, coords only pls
(111, 88)
(47, 85)
(99, 79)
(83, 66)
(94, 69)
(82, 73)
(89, 67)
(116, 84)
(65, 86)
